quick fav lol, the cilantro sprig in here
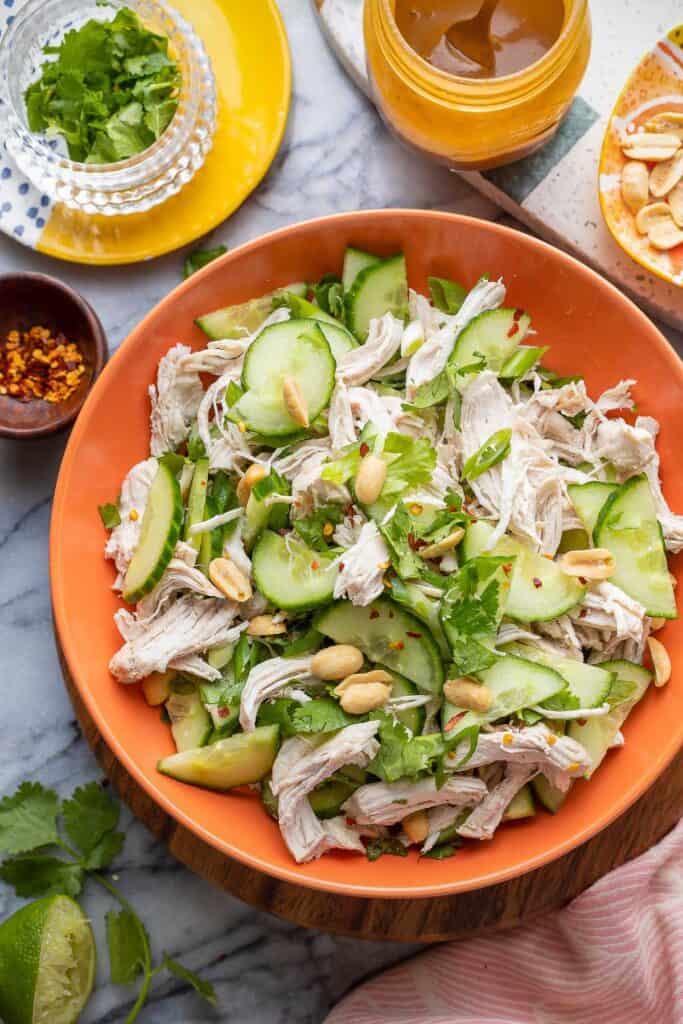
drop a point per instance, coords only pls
(55, 847)
(110, 92)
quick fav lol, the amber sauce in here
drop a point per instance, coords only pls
(521, 32)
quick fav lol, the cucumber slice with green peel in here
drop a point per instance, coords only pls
(159, 535)
(521, 806)
(340, 339)
(190, 721)
(378, 289)
(291, 575)
(412, 718)
(493, 335)
(514, 683)
(596, 735)
(246, 317)
(590, 684)
(296, 349)
(628, 527)
(157, 687)
(426, 609)
(196, 502)
(389, 636)
(356, 260)
(539, 590)
(236, 761)
(588, 500)
(327, 801)
(573, 540)
(219, 657)
(548, 796)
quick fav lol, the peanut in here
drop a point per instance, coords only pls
(650, 215)
(295, 401)
(249, 480)
(416, 826)
(591, 564)
(375, 675)
(661, 662)
(634, 184)
(363, 697)
(230, 580)
(651, 146)
(336, 662)
(665, 175)
(370, 479)
(264, 625)
(665, 235)
(657, 624)
(443, 546)
(675, 198)
(467, 693)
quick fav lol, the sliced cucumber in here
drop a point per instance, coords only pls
(237, 761)
(386, 634)
(291, 575)
(296, 349)
(590, 684)
(514, 683)
(548, 796)
(425, 608)
(219, 657)
(196, 502)
(190, 721)
(159, 535)
(596, 735)
(412, 718)
(628, 527)
(157, 687)
(378, 289)
(588, 500)
(539, 590)
(521, 806)
(245, 318)
(340, 340)
(573, 540)
(356, 260)
(327, 801)
(494, 335)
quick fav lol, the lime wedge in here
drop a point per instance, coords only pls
(47, 963)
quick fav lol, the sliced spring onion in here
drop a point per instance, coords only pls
(521, 361)
(490, 454)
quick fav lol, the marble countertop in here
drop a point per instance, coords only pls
(336, 156)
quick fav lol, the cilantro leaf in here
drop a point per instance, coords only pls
(36, 874)
(329, 295)
(448, 296)
(309, 642)
(471, 611)
(442, 852)
(104, 852)
(413, 464)
(432, 392)
(402, 755)
(110, 516)
(321, 715)
(201, 258)
(400, 536)
(88, 815)
(621, 691)
(376, 848)
(338, 471)
(314, 530)
(278, 712)
(562, 701)
(128, 946)
(203, 988)
(28, 819)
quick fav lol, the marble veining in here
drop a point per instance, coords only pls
(336, 156)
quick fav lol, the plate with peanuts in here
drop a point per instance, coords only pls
(641, 164)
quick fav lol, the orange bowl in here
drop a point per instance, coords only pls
(592, 329)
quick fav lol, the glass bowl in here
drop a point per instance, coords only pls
(140, 182)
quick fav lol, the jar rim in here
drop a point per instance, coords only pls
(516, 86)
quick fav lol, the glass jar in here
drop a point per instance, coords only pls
(140, 182)
(466, 123)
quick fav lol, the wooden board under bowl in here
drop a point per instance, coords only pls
(420, 920)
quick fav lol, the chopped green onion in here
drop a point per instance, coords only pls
(521, 361)
(490, 454)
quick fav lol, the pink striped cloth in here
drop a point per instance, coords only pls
(613, 956)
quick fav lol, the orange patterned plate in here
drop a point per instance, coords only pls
(654, 86)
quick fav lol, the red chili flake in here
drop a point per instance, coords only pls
(396, 645)
(582, 721)
(452, 722)
(583, 613)
(374, 614)
(350, 511)
(350, 822)
(224, 712)
(453, 508)
(315, 564)
(341, 567)
(415, 636)
(583, 581)
(364, 449)
(415, 543)
(537, 583)
(514, 329)
(517, 315)
(507, 569)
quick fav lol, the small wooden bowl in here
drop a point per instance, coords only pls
(27, 300)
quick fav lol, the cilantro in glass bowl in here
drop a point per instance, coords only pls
(109, 107)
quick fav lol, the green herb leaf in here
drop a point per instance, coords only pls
(110, 516)
(432, 392)
(376, 848)
(128, 943)
(398, 534)
(448, 296)
(342, 469)
(411, 461)
(471, 611)
(621, 691)
(104, 852)
(201, 258)
(308, 643)
(402, 755)
(562, 701)
(329, 295)
(88, 815)
(312, 528)
(441, 852)
(173, 462)
(35, 874)
(321, 715)
(203, 988)
(28, 819)
(493, 451)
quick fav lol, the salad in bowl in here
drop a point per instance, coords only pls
(385, 567)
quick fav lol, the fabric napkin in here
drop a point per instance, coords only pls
(613, 956)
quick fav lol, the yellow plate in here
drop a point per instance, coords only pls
(654, 86)
(247, 43)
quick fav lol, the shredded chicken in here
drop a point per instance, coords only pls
(672, 524)
(179, 576)
(359, 365)
(609, 621)
(216, 357)
(487, 816)
(303, 468)
(362, 568)
(299, 768)
(190, 625)
(266, 680)
(124, 538)
(175, 401)
(386, 803)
